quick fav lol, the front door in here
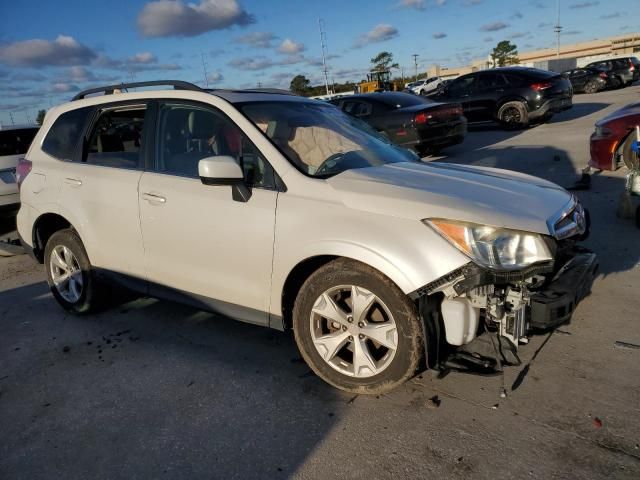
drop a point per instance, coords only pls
(201, 245)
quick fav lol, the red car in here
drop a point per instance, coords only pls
(611, 142)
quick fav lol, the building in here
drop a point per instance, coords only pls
(583, 53)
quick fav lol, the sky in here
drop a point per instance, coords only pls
(51, 49)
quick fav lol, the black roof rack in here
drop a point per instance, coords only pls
(108, 90)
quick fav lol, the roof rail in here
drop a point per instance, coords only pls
(110, 89)
(275, 91)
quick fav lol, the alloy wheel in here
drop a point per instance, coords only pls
(353, 331)
(511, 116)
(66, 274)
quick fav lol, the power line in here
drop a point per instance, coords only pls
(323, 46)
(204, 69)
(557, 29)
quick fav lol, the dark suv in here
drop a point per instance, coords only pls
(623, 70)
(513, 96)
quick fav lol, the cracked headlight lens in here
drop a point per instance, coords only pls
(493, 247)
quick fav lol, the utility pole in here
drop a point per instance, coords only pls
(11, 117)
(204, 70)
(323, 46)
(415, 63)
(402, 74)
(557, 28)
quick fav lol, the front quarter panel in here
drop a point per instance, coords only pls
(405, 250)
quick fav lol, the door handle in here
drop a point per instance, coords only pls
(153, 198)
(74, 182)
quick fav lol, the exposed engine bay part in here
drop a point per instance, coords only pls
(465, 322)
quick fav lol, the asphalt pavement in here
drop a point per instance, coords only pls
(152, 389)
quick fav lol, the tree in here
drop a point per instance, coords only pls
(505, 53)
(300, 84)
(383, 61)
(40, 116)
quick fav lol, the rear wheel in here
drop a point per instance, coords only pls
(513, 115)
(616, 82)
(356, 329)
(69, 273)
(591, 87)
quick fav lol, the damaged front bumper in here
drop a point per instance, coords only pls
(474, 302)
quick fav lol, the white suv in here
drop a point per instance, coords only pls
(14, 143)
(426, 86)
(282, 211)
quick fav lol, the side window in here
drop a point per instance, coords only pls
(15, 142)
(189, 133)
(116, 137)
(462, 86)
(64, 135)
(489, 81)
(357, 109)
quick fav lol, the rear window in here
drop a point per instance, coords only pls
(16, 142)
(536, 74)
(64, 134)
(402, 100)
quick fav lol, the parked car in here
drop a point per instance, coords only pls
(588, 80)
(623, 71)
(285, 212)
(426, 86)
(512, 96)
(14, 142)
(409, 120)
(610, 143)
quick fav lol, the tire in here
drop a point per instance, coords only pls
(513, 115)
(616, 83)
(591, 87)
(333, 286)
(65, 248)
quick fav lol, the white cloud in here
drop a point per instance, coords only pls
(168, 18)
(215, 77)
(63, 88)
(64, 50)
(258, 39)
(290, 47)
(380, 33)
(144, 57)
(416, 4)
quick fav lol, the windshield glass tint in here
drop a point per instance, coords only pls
(320, 140)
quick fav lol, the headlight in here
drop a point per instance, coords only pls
(493, 247)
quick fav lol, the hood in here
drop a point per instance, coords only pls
(626, 111)
(483, 195)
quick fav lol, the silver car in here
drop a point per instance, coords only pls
(284, 212)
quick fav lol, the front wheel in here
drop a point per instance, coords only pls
(356, 329)
(513, 115)
(69, 273)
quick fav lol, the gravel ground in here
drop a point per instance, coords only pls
(152, 389)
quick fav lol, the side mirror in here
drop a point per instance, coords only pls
(224, 170)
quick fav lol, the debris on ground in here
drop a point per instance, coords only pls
(66, 349)
(583, 183)
(434, 402)
(630, 346)
(597, 422)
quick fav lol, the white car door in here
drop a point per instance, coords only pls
(201, 245)
(99, 188)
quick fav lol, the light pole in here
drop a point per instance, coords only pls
(415, 63)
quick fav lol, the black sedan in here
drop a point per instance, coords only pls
(587, 80)
(409, 120)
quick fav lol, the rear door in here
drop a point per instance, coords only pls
(489, 89)
(578, 78)
(99, 188)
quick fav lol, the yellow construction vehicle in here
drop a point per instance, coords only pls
(379, 81)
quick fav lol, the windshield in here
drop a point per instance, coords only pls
(320, 140)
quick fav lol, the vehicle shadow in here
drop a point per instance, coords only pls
(614, 239)
(151, 389)
(578, 110)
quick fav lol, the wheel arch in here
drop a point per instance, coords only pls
(43, 228)
(304, 268)
(510, 98)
